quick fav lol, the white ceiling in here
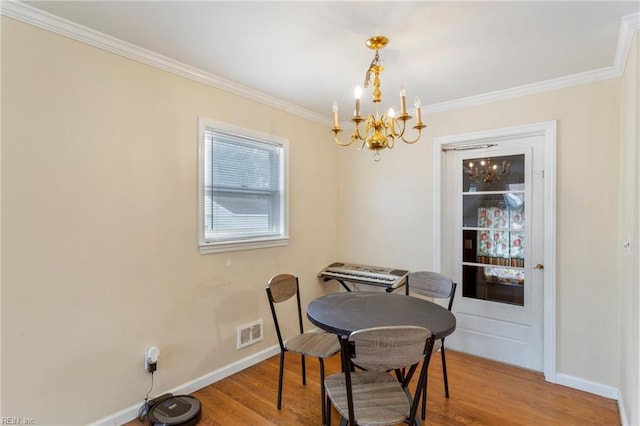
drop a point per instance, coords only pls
(311, 53)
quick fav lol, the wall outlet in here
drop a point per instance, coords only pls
(151, 359)
(249, 334)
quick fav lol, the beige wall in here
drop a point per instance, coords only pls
(99, 257)
(99, 207)
(629, 226)
(387, 211)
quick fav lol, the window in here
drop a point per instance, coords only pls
(242, 188)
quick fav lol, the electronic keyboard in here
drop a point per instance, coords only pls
(363, 274)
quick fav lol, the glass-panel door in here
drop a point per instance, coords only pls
(494, 235)
(493, 220)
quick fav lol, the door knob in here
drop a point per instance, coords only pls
(539, 266)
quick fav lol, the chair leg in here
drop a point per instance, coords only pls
(424, 397)
(327, 405)
(444, 371)
(424, 402)
(304, 371)
(280, 379)
(322, 391)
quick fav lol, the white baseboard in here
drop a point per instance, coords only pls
(596, 389)
(587, 386)
(623, 414)
(131, 413)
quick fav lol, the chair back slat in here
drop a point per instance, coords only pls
(388, 348)
(282, 287)
(430, 284)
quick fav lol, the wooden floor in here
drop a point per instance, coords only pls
(481, 393)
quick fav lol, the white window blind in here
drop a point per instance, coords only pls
(243, 188)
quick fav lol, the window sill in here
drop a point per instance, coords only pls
(221, 247)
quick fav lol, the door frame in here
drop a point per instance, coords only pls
(548, 131)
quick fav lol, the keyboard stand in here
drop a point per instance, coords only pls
(387, 278)
(386, 289)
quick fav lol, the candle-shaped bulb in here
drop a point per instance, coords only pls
(335, 106)
(392, 115)
(335, 115)
(357, 92)
(403, 101)
(418, 116)
(416, 102)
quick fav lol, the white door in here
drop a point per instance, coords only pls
(493, 234)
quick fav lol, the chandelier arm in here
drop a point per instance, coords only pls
(337, 139)
(359, 141)
(391, 142)
(355, 136)
(361, 138)
(358, 138)
(369, 125)
(404, 128)
(390, 126)
(419, 129)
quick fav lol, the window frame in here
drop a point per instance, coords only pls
(242, 243)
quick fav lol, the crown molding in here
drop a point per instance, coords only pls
(628, 25)
(25, 13)
(527, 89)
(36, 17)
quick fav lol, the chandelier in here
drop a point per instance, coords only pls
(486, 171)
(380, 131)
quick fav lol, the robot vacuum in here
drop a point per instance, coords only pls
(170, 410)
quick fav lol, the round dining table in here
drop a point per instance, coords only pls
(343, 313)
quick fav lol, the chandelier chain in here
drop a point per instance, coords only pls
(374, 63)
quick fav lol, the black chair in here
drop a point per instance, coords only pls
(281, 288)
(372, 395)
(435, 286)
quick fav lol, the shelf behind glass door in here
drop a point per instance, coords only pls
(493, 232)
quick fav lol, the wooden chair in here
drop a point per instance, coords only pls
(281, 288)
(436, 286)
(372, 395)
